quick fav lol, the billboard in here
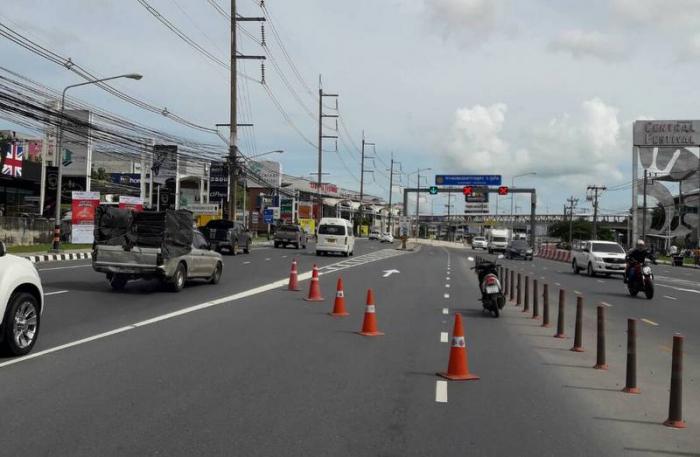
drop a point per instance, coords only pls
(270, 171)
(126, 179)
(218, 182)
(76, 143)
(164, 163)
(83, 206)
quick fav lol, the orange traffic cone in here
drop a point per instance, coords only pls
(339, 305)
(314, 287)
(293, 279)
(369, 324)
(458, 368)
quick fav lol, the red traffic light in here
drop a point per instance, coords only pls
(503, 190)
(468, 190)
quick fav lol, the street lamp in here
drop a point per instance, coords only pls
(418, 197)
(512, 196)
(276, 151)
(59, 152)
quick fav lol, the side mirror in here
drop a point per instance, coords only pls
(3, 249)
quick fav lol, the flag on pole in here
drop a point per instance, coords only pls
(13, 160)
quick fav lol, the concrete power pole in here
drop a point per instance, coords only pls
(233, 137)
(594, 197)
(572, 204)
(362, 180)
(321, 136)
(391, 191)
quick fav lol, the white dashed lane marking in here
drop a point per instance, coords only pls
(55, 293)
(444, 337)
(670, 298)
(446, 295)
(647, 321)
(445, 310)
(441, 391)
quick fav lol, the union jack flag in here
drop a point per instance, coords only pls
(13, 161)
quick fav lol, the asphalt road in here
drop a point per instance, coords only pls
(248, 368)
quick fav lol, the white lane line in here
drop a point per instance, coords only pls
(445, 311)
(601, 281)
(267, 259)
(444, 337)
(542, 278)
(557, 284)
(647, 321)
(284, 256)
(670, 298)
(447, 278)
(446, 295)
(544, 268)
(46, 294)
(441, 391)
(576, 292)
(246, 262)
(447, 286)
(606, 304)
(64, 268)
(679, 288)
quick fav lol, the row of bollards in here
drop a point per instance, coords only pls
(515, 284)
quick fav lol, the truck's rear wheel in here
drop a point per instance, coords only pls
(177, 283)
(117, 281)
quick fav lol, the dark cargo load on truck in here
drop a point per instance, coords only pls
(170, 230)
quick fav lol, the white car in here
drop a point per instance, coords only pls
(21, 304)
(479, 242)
(598, 257)
(387, 238)
(335, 235)
(374, 235)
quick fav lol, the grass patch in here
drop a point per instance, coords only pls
(45, 247)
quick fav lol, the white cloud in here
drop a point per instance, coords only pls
(658, 12)
(581, 43)
(465, 20)
(572, 150)
(691, 51)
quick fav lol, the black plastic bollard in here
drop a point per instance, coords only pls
(511, 288)
(631, 377)
(526, 308)
(545, 305)
(600, 346)
(560, 318)
(519, 292)
(578, 328)
(535, 300)
(675, 406)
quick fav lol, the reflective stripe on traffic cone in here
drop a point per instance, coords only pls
(369, 323)
(339, 305)
(293, 278)
(458, 367)
(314, 287)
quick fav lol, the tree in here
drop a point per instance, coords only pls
(581, 230)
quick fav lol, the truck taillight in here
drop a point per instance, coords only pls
(159, 259)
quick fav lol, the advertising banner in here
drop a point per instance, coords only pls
(77, 150)
(218, 182)
(164, 163)
(126, 179)
(132, 203)
(309, 226)
(305, 210)
(83, 208)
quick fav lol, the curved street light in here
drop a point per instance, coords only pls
(59, 152)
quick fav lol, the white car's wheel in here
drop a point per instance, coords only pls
(21, 327)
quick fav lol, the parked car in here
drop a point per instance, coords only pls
(374, 235)
(290, 234)
(387, 238)
(227, 235)
(598, 257)
(518, 249)
(479, 242)
(21, 304)
(335, 235)
(160, 245)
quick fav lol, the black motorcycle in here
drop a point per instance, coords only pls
(492, 297)
(641, 279)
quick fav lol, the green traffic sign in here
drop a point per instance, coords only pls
(433, 190)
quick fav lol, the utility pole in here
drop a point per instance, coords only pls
(391, 191)
(594, 198)
(362, 180)
(644, 205)
(321, 136)
(572, 204)
(233, 137)
(449, 207)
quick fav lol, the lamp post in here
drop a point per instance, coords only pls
(512, 196)
(59, 152)
(418, 198)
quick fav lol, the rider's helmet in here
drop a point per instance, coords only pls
(640, 243)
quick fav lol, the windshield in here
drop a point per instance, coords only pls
(607, 248)
(499, 239)
(289, 228)
(220, 224)
(519, 244)
(331, 230)
(479, 238)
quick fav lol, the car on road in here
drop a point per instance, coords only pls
(21, 304)
(335, 235)
(152, 245)
(387, 238)
(497, 240)
(518, 249)
(598, 257)
(374, 235)
(479, 242)
(227, 235)
(290, 234)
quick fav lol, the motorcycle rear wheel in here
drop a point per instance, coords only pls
(649, 291)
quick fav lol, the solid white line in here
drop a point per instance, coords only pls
(246, 262)
(670, 298)
(63, 268)
(446, 295)
(447, 286)
(267, 260)
(46, 294)
(606, 304)
(444, 337)
(647, 321)
(601, 281)
(445, 310)
(679, 288)
(441, 391)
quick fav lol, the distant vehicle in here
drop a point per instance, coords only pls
(290, 234)
(387, 238)
(21, 304)
(518, 249)
(227, 235)
(519, 236)
(497, 240)
(492, 297)
(479, 242)
(335, 235)
(374, 235)
(160, 245)
(598, 257)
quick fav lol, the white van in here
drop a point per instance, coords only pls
(335, 235)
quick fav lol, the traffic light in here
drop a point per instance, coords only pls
(468, 190)
(503, 190)
(433, 190)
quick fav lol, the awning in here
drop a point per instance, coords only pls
(331, 201)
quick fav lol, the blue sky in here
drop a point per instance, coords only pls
(460, 86)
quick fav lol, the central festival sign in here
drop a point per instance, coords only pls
(468, 180)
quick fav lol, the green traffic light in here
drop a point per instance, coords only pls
(433, 190)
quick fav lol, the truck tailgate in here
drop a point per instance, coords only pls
(116, 256)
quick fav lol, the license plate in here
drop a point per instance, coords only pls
(331, 240)
(491, 289)
(616, 267)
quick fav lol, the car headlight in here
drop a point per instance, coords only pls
(597, 259)
(529, 251)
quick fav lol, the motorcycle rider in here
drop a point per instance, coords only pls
(639, 254)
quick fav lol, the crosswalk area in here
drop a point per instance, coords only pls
(362, 260)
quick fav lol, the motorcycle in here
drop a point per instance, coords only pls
(641, 280)
(492, 297)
